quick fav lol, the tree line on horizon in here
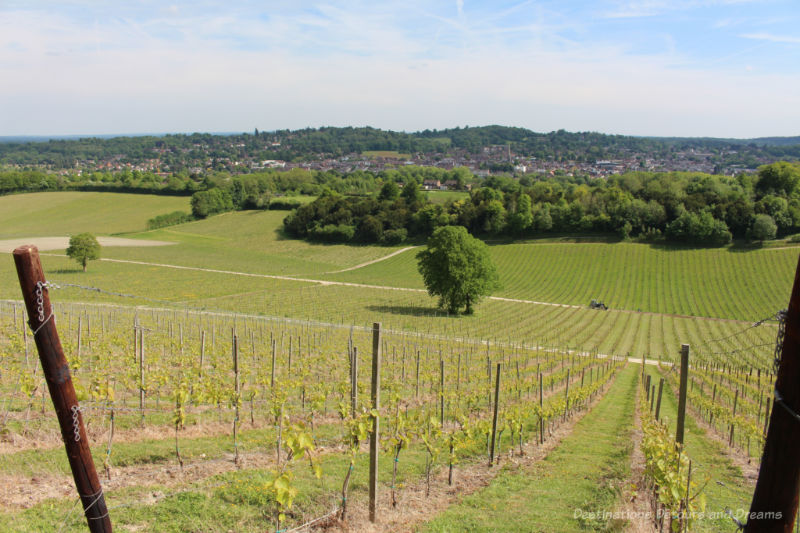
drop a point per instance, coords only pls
(360, 206)
(692, 208)
(182, 152)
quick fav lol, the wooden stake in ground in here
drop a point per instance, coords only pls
(682, 397)
(62, 392)
(658, 402)
(494, 413)
(774, 506)
(374, 441)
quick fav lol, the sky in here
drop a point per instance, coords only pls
(722, 68)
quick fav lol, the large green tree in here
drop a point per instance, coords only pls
(83, 248)
(457, 268)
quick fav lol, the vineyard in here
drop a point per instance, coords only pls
(268, 393)
(225, 385)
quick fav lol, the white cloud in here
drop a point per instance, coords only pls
(329, 66)
(649, 8)
(772, 38)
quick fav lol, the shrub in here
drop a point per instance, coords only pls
(169, 219)
(394, 236)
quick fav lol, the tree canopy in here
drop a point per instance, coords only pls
(83, 248)
(457, 268)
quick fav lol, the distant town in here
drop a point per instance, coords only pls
(484, 151)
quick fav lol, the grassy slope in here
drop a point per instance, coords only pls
(62, 213)
(249, 241)
(744, 285)
(726, 487)
(579, 475)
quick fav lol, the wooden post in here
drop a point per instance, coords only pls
(494, 413)
(733, 422)
(272, 372)
(141, 374)
(652, 396)
(658, 401)
(458, 373)
(774, 506)
(80, 328)
(25, 342)
(541, 408)
(713, 401)
(682, 398)
(441, 392)
(135, 340)
(374, 441)
(766, 416)
(62, 391)
(403, 369)
(236, 393)
(354, 383)
(416, 390)
(202, 350)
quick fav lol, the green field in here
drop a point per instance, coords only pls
(440, 197)
(62, 213)
(652, 291)
(720, 283)
(385, 153)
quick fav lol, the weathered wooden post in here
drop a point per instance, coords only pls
(374, 441)
(141, 374)
(272, 368)
(236, 399)
(494, 412)
(541, 409)
(774, 506)
(733, 421)
(59, 383)
(441, 392)
(679, 430)
(354, 381)
(202, 351)
(658, 401)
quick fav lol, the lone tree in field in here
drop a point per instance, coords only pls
(457, 268)
(83, 248)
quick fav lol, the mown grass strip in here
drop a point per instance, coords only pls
(726, 488)
(561, 492)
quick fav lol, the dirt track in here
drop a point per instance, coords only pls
(61, 243)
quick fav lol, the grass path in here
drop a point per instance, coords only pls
(727, 487)
(378, 260)
(581, 475)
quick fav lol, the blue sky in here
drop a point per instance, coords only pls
(725, 68)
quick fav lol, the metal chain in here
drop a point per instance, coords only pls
(781, 318)
(40, 305)
(778, 397)
(76, 423)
